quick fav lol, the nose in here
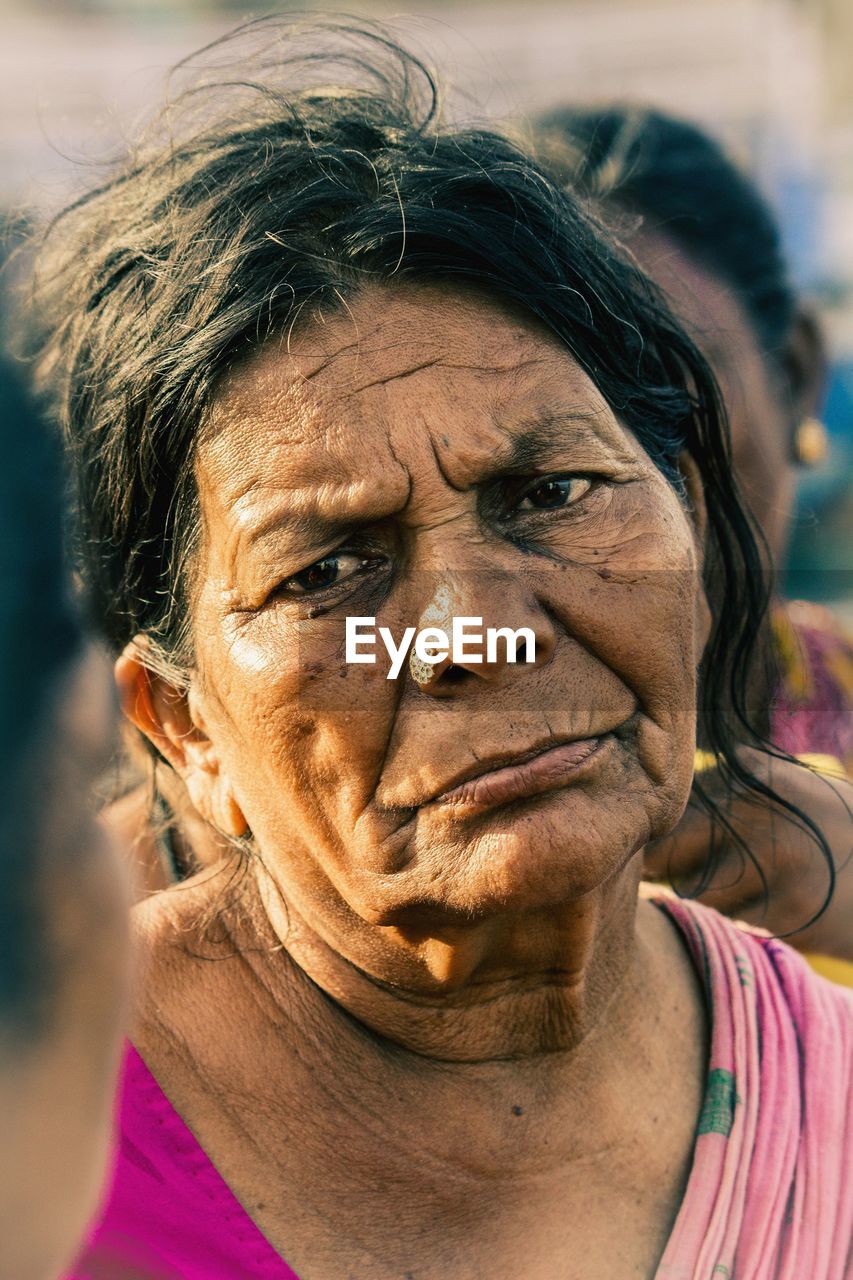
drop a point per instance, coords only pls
(501, 631)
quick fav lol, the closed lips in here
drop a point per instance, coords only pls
(527, 775)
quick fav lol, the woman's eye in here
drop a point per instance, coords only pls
(328, 572)
(555, 491)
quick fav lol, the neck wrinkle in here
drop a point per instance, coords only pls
(497, 996)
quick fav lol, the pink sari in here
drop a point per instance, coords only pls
(770, 1193)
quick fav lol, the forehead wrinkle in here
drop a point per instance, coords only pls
(326, 359)
(249, 447)
(517, 367)
(291, 423)
(394, 377)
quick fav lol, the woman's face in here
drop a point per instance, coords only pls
(761, 423)
(424, 454)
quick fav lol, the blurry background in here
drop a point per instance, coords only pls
(773, 78)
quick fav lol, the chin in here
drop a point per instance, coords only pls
(531, 856)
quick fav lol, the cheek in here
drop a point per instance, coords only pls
(756, 421)
(639, 607)
(301, 734)
(633, 596)
(642, 630)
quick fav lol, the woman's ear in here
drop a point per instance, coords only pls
(806, 366)
(695, 491)
(161, 711)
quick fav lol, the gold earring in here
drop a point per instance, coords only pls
(811, 442)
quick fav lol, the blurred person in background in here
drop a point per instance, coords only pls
(705, 235)
(63, 898)
(319, 354)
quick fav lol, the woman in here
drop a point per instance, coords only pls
(63, 900)
(720, 259)
(323, 357)
(703, 232)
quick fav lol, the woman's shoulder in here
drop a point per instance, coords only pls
(168, 912)
(170, 932)
(771, 1160)
(742, 964)
(194, 987)
(169, 1212)
(181, 928)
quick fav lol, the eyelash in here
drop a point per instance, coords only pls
(365, 562)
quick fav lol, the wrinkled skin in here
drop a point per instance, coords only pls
(471, 937)
(764, 403)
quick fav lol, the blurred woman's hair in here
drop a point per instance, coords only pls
(684, 186)
(282, 183)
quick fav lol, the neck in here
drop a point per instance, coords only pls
(524, 1066)
(510, 987)
(571, 1036)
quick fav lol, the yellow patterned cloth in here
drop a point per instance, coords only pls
(812, 711)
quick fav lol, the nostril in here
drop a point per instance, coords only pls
(521, 651)
(454, 674)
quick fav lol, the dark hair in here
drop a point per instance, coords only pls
(272, 200)
(39, 637)
(683, 184)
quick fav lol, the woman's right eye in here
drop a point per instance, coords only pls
(331, 571)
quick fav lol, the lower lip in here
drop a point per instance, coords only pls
(546, 772)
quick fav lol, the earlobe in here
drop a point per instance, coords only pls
(228, 816)
(214, 800)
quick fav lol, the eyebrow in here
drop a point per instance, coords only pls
(548, 430)
(315, 527)
(524, 447)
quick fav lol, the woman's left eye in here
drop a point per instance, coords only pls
(322, 574)
(554, 491)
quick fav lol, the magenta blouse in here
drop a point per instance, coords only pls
(170, 1216)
